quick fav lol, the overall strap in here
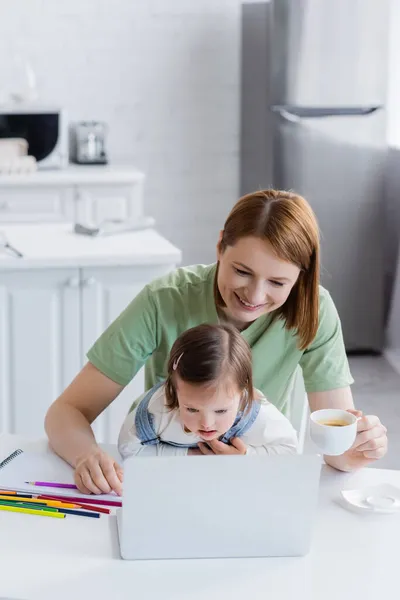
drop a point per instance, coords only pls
(242, 423)
(144, 421)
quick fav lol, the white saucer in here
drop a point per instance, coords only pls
(382, 499)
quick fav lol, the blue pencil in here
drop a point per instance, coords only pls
(79, 513)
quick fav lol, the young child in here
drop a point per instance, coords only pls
(208, 404)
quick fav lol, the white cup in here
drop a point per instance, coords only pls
(333, 439)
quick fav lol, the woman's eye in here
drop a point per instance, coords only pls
(221, 412)
(276, 283)
(242, 273)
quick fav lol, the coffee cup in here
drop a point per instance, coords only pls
(333, 430)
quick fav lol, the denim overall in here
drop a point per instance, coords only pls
(147, 435)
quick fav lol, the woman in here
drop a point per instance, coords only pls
(266, 283)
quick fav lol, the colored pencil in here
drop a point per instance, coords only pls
(87, 500)
(67, 511)
(32, 511)
(38, 501)
(84, 505)
(27, 505)
(67, 486)
(79, 513)
(10, 493)
(53, 501)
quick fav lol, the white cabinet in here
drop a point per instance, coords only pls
(106, 291)
(39, 203)
(39, 344)
(95, 204)
(48, 320)
(78, 194)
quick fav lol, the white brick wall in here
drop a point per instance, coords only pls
(165, 75)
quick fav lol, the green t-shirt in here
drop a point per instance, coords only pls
(147, 328)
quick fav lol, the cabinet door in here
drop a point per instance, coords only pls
(36, 204)
(39, 344)
(106, 291)
(95, 204)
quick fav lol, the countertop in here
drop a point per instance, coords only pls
(56, 245)
(75, 174)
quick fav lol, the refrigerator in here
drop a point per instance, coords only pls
(313, 120)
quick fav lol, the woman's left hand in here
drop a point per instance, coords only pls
(370, 444)
(235, 447)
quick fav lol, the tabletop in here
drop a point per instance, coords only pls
(352, 556)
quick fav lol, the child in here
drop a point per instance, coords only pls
(208, 404)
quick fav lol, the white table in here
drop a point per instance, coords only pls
(353, 557)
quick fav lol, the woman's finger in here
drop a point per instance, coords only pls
(366, 436)
(80, 485)
(376, 454)
(97, 475)
(368, 422)
(110, 474)
(119, 471)
(88, 482)
(355, 412)
(373, 444)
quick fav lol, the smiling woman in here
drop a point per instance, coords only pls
(268, 260)
(266, 284)
(246, 290)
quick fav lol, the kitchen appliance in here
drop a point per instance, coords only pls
(90, 143)
(313, 120)
(44, 128)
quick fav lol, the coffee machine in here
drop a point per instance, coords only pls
(90, 139)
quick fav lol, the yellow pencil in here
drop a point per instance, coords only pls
(32, 511)
(45, 502)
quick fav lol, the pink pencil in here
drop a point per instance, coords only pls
(68, 486)
(82, 500)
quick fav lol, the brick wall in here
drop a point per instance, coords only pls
(164, 74)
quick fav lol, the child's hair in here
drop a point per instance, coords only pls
(206, 355)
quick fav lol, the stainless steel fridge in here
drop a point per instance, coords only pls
(314, 80)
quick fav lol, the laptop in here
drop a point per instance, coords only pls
(218, 506)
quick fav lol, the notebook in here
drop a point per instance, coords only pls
(22, 465)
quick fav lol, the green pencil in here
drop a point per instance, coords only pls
(28, 505)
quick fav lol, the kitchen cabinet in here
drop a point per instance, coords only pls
(54, 303)
(39, 344)
(76, 194)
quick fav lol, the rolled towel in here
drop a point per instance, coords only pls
(19, 165)
(11, 148)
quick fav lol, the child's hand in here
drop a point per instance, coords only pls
(194, 452)
(97, 473)
(236, 446)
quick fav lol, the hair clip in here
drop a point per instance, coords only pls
(176, 362)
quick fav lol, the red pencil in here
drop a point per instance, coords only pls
(81, 504)
(78, 500)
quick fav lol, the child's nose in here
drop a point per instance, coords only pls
(207, 423)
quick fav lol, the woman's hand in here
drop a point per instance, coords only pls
(370, 444)
(235, 447)
(97, 473)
